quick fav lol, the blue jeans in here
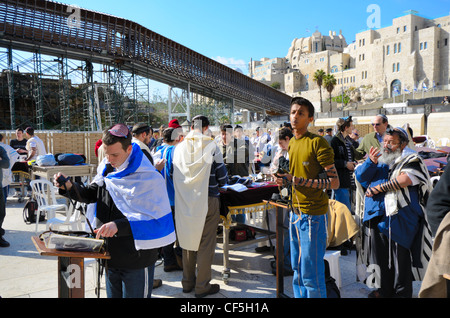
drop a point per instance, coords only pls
(130, 283)
(308, 235)
(343, 196)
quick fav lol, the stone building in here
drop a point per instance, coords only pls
(411, 54)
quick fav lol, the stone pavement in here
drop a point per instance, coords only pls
(26, 274)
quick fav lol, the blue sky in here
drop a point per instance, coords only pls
(236, 31)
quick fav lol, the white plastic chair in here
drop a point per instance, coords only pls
(43, 191)
(443, 142)
(434, 180)
(429, 143)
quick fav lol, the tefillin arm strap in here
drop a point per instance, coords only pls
(319, 183)
(391, 185)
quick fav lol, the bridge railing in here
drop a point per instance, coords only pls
(47, 23)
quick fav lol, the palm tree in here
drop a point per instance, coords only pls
(329, 82)
(318, 78)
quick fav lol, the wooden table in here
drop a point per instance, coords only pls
(234, 203)
(70, 268)
(279, 247)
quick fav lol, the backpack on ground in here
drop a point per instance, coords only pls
(29, 212)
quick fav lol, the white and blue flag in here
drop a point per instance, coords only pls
(137, 192)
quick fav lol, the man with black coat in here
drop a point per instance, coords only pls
(438, 204)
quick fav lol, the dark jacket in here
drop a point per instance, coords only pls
(341, 159)
(236, 157)
(438, 204)
(121, 247)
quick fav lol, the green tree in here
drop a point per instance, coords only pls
(329, 82)
(276, 85)
(318, 78)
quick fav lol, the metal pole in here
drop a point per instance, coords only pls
(342, 71)
(169, 102)
(188, 102)
(12, 108)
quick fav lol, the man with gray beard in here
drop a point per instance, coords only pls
(396, 185)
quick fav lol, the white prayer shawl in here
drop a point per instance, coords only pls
(361, 238)
(394, 200)
(138, 193)
(192, 161)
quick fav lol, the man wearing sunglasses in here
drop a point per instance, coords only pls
(132, 213)
(380, 124)
(396, 185)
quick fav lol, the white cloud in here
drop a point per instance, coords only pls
(233, 63)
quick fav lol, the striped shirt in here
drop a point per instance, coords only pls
(219, 176)
(348, 145)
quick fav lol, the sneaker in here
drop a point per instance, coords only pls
(3, 243)
(215, 288)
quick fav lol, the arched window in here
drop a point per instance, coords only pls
(396, 88)
(334, 69)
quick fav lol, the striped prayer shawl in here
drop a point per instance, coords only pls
(399, 199)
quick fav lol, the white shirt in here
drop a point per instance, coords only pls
(36, 142)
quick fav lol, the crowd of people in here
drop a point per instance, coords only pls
(14, 157)
(380, 178)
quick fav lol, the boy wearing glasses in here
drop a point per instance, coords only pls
(311, 165)
(396, 185)
(132, 213)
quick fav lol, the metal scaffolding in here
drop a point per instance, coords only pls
(132, 53)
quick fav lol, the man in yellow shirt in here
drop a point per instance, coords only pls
(312, 172)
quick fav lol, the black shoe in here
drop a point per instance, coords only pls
(187, 290)
(3, 243)
(157, 283)
(286, 270)
(215, 288)
(262, 249)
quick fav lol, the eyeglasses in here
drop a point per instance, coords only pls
(376, 124)
(120, 131)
